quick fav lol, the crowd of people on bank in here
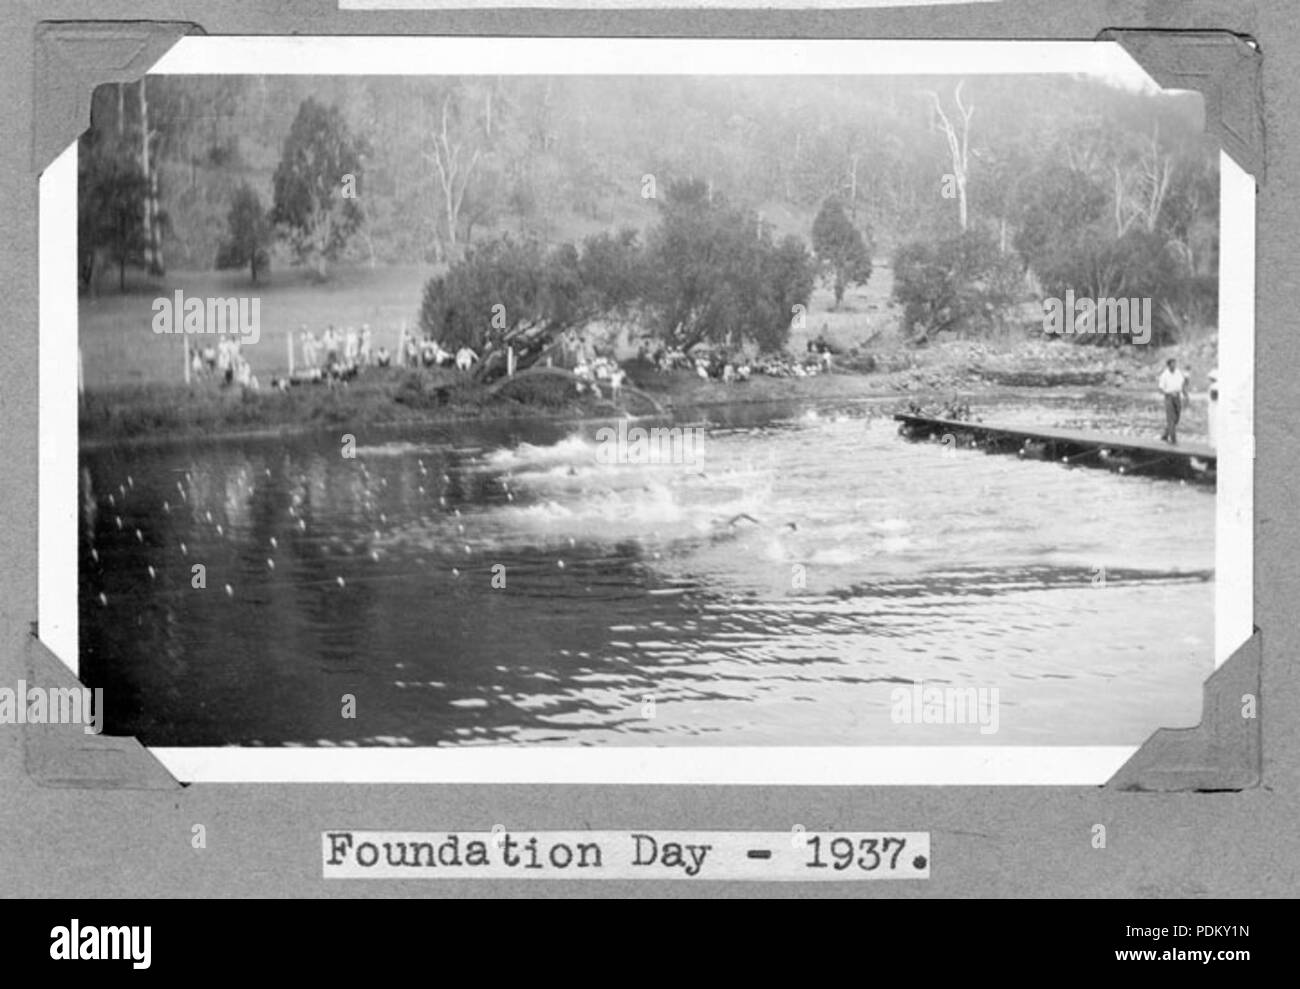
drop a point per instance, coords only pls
(711, 365)
(340, 348)
(598, 371)
(223, 361)
(340, 355)
(335, 355)
(426, 351)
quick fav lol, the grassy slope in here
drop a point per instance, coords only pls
(119, 346)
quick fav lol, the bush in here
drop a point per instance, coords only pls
(248, 233)
(417, 392)
(1137, 265)
(1201, 299)
(1059, 205)
(963, 284)
(715, 275)
(841, 249)
(520, 293)
(553, 394)
(500, 279)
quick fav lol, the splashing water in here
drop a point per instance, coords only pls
(502, 585)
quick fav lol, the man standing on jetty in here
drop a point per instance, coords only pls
(1173, 385)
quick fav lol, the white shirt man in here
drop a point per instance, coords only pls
(465, 358)
(1173, 385)
(1172, 380)
(309, 348)
(1213, 408)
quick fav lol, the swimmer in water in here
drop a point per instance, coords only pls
(744, 520)
(746, 517)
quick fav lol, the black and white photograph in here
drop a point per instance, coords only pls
(621, 450)
(748, 407)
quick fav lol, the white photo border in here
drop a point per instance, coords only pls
(840, 765)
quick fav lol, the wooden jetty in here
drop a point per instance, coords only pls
(1122, 454)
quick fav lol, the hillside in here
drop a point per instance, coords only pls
(559, 158)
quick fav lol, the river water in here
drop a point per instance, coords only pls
(775, 592)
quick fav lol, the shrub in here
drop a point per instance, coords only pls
(962, 284)
(841, 249)
(1137, 265)
(715, 275)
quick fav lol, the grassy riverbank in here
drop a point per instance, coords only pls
(160, 412)
(166, 412)
(134, 390)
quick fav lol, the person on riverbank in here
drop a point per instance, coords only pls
(330, 344)
(310, 348)
(1173, 386)
(225, 361)
(1212, 408)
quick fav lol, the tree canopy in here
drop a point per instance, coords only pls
(321, 162)
(112, 191)
(840, 247)
(717, 274)
(249, 232)
(679, 196)
(709, 272)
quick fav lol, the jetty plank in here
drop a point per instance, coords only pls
(1127, 453)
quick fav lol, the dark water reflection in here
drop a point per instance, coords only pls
(373, 577)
